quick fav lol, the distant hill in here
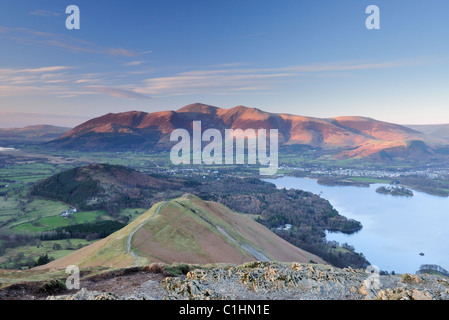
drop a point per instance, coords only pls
(186, 230)
(440, 131)
(344, 137)
(31, 134)
(104, 186)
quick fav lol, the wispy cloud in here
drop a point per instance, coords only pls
(230, 65)
(45, 69)
(69, 81)
(43, 81)
(44, 13)
(87, 81)
(349, 66)
(33, 37)
(31, 77)
(63, 82)
(133, 63)
(231, 79)
(120, 93)
(252, 35)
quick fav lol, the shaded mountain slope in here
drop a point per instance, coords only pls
(103, 186)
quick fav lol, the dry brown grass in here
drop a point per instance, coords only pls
(186, 231)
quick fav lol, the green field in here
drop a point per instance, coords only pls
(53, 222)
(44, 215)
(54, 249)
(20, 210)
(21, 213)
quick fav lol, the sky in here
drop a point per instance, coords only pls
(312, 58)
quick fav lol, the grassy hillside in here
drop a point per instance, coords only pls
(186, 230)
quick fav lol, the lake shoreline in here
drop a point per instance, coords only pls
(365, 182)
(395, 229)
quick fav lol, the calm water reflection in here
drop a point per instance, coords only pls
(395, 229)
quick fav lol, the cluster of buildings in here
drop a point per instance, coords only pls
(68, 213)
(431, 173)
(285, 227)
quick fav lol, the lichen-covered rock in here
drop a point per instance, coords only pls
(410, 278)
(283, 281)
(84, 294)
(404, 294)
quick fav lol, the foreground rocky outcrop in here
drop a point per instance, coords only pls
(278, 281)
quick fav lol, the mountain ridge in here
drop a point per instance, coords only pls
(440, 131)
(350, 136)
(32, 134)
(186, 230)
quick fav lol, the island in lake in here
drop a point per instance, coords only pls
(395, 191)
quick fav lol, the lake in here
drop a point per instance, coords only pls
(395, 229)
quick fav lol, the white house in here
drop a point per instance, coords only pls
(285, 227)
(68, 213)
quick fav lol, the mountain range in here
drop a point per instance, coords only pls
(440, 131)
(31, 134)
(343, 137)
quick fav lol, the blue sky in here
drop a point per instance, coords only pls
(313, 58)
